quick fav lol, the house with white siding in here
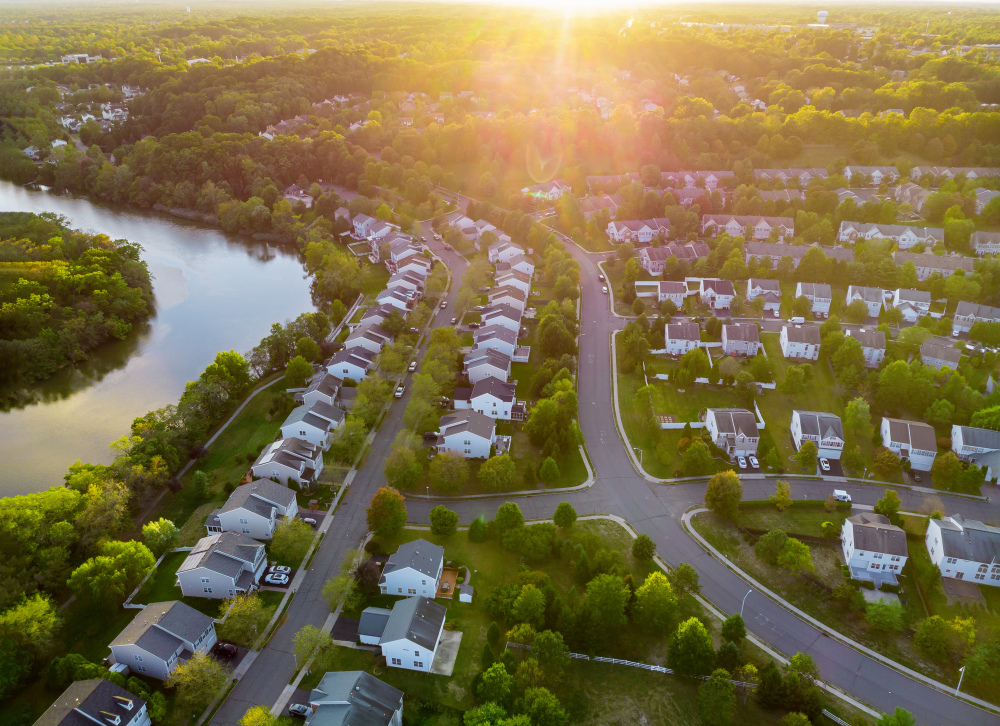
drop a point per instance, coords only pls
(913, 440)
(508, 295)
(492, 397)
(254, 509)
(734, 430)
(681, 337)
(654, 259)
(506, 316)
(986, 243)
(289, 460)
(370, 337)
(977, 446)
(398, 298)
(95, 701)
(412, 634)
(964, 549)
(354, 697)
(927, 264)
(221, 566)
(775, 252)
(504, 251)
(770, 290)
(323, 387)
(823, 429)
(800, 341)
(872, 346)
(939, 356)
(466, 433)
(903, 235)
(748, 226)
(877, 174)
(872, 297)
(662, 291)
(513, 278)
(717, 294)
(315, 424)
(414, 569)
(519, 263)
(354, 363)
(968, 314)
(742, 339)
(918, 300)
(411, 283)
(874, 548)
(480, 364)
(819, 295)
(162, 636)
(495, 337)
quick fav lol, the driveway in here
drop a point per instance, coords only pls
(447, 652)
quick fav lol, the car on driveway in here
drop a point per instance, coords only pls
(753, 461)
(841, 496)
(279, 570)
(742, 462)
(300, 710)
(276, 579)
(310, 521)
(225, 650)
(824, 465)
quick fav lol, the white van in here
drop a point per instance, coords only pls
(841, 496)
(797, 319)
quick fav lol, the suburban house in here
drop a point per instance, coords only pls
(682, 337)
(411, 634)
(95, 701)
(734, 430)
(709, 179)
(519, 263)
(912, 194)
(370, 337)
(480, 364)
(877, 174)
(495, 337)
(409, 282)
(986, 243)
(874, 548)
(717, 294)
(927, 264)
(654, 259)
(939, 356)
(404, 250)
(770, 290)
(221, 566)
(354, 363)
(346, 698)
(872, 346)
(968, 314)
(508, 295)
(643, 231)
(323, 387)
(912, 303)
(161, 636)
(548, 190)
(492, 397)
(802, 177)
(823, 429)
(776, 252)
(254, 509)
(748, 226)
(692, 251)
(291, 459)
(514, 278)
(361, 224)
(819, 295)
(964, 549)
(417, 264)
(800, 341)
(741, 339)
(782, 195)
(977, 446)
(314, 424)
(913, 440)
(503, 315)
(593, 205)
(397, 298)
(872, 297)
(467, 433)
(504, 252)
(378, 314)
(414, 569)
(662, 290)
(903, 235)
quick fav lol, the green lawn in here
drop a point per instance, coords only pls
(376, 278)
(795, 520)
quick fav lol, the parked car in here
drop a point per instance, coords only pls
(473, 325)
(447, 247)
(753, 461)
(601, 278)
(841, 496)
(300, 710)
(454, 321)
(824, 465)
(276, 579)
(225, 650)
(279, 569)
(742, 461)
(604, 289)
(413, 366)
(310, 521)
(400, 391)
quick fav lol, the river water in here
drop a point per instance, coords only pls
(213, 292)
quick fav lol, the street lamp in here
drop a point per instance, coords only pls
(428, 492)
(636, 448)
(744, 602)
(960, 677)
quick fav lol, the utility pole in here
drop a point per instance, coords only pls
(744, 602)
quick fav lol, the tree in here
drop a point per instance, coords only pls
(734, 629)
(496, 684)
(493, 633)
(197, 681)
(366, 577)
(716, 699)
(801, 307)
(899, 717)
(643, 547)
(508, 517)
(247, 617)
(795, 380)
(606, 598)
(691, 652)
(889, 505)
(498, 472)
(160, 535)
(543, 708)
(794, 719)
(529, 607)
(551, 653)
(308, 641)
(258, 716)
(549, 472)
(887, 464)
(31, 627)
(487, 657)
(443, 520)
(697, 459)
(858, 418)
(489, 714)
(655, 603)
(402, 470)
(807, 455)
(884, 616)
(782, 496)
(449, 472)
(109, 577)
(938, 638)
(199, 485)
(856, 312)
(291, 540)
(299, 371)
(771, 687)
(309, 349)
(684, 579)
(386, 512)
(853, 460)
(795, 556)
(770, 545)
(564, 516)
(724, 494)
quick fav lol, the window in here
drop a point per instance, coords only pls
(208, 590)
(895, 558)
(423, 582)
(418, 664)
(983, 568)
(205, 579)
(877, 556)
(951, 560)
(246, 530)
(243, 521)
(411, 591)
(142, 669)
(137, 657)
(399, 590)
(397, 661)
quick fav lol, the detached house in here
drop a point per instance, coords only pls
(346, 698)
(964, 549)
(682, 337)
(548, 190)
(412, 633)
(911, 440)
(770, 290)
(877, 174)
(398, 298)
(519, 263)
(414, 569)
(654, 259)
(914, 304)
(161, 636)
(496, 337)
(977, 446)
(323, 387)
(819, 296)
(734, 430)
(939, 356)
(371, 337)
(508, 295)
(872, 346)
(872, 297)
(354, 363)
(874, 548)
(221, 566)
(95, 701)
(503, 315)
(254, 509)
(823, 429)
(515, 279)
(968, 314)
(986, 243)
(717, 294)
(741, 339)
(492, 397)
(467, 433)
(480, 364)
(289, 460)
(409, 282)
(504, 252)
(800, 341)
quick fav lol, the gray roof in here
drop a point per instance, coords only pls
(683, 331)
(416, 619)
(224, 553)
(465, 394)
(982, 438)
(868, 294)
(747, 332)
(326, 383)
(816, 290)
(981, 312)
(504, 309)
(488, 356)
(736, 421)
(933, 262)
(869, 338)
(161, 627)
(915, 434)
(772, 285)
(304, 414)
(669, 287)
(261, 490)
(969, 539)
(96, 697)
(373, 621)
(353, 698)
(495, 387)
(802, 334)
(497, 332)
(874, 533)
(508, 290)
(325, 410)
(720, 287)
(420, 555)
(468, 420)
(930, 349)
(914, 296)
(823, 425)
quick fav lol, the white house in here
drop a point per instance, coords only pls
(503, 315)
(314, 424)
(407, 281)
(819, 296)
(222, 565)
(96, 701)
(467, 433)
(747, 226)
(399, 298)
(741, 339)
(964, 549)
(323, 387)
(654, 259)
(254, 509)
(911, 440)
(874, 548)
(492, 397)
(877, 174)
(161, 636)
(495, 337)
(903, 235)
(872, 345)
(939, 356)
(292, 459)
(770, 290)
(682, 337)
(734, 430)
(872, 297)
(371, 337)
(517, 262)
(986, 243)
(508, 295)
(717, 294)
(480, 364)
(548, 190)
(800, 341)
(927, 264)
(504, 252)
(643, 231)
(361, 223)
(354, 697)
(918, 301)
(354, 363)
(378, 314)
(968, 314)
(823, 429)
(412, 633)
(776, 252)
(977, 446)
(416, 264)
(514, 278)
(413, 569)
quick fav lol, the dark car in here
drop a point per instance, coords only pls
(226, 650)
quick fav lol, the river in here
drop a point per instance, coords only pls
(213, 292)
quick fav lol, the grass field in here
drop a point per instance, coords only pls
(796, 520)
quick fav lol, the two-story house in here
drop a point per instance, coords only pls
(986, 243)
(872, 297)
(517, 262)
(323, 387)
(349, 698)
(819, 295)
(681, 337)
(371, 337)
(874, 548)
(254, 509)
(734, 430)
(968, 314)
(412, 633)
(770, 290)
(492, 397)
(514, 278)
(717, 294)
(939, 356)
(903, 235)
(467, 433)
(161, 636)
(742, 339)
(775, 253)
(927, 264)
(354, 363)
(800, 341)
(508, 295)
(654, 259)
(662, 291)
(747, 226)
(222, 565)
(877, 174)
(913, 440)
(977, 446)
(289, 460)
(95, 701)
(823, 429)
(504, 252)
(913, 304)
(495, 337)
(505, 316)
(398, 298)
(964, 549)
(413, 569)
(409, 281)
(872, 346)
(315, 424)
(485, 363)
